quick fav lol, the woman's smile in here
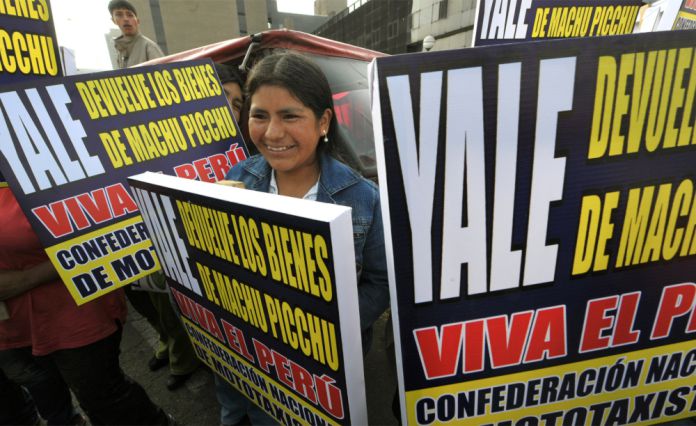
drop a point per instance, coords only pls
(278, 149)
(285, 130)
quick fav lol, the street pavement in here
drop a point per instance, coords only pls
(195, 403)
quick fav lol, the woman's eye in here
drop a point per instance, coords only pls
(290, 117)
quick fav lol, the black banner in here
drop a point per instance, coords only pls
(268, 296)
(28, 47)
(509, 21)
(541, 204)
(68, 144)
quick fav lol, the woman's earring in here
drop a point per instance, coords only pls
(326, 138)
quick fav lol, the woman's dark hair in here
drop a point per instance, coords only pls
(303, 79)
(228, 74)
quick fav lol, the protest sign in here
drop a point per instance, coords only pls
(27, 41)
(686, 18)
(267, 290)
(540, 221)
(68, 144)
(28, 47)
(657, 15)
(509, 21)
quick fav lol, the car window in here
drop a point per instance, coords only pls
(348, 81)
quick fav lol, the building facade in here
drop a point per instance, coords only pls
(178, 25)
(380, 25)
(450, 22)
(329, 7)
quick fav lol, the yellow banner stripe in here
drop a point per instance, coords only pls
(104, 261)
(261, 373)
(642, 388)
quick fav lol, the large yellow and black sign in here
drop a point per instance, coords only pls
(686, 17)
(509, 21)
(541, 204)
(267, 291)
(28, 47)
(67, 146)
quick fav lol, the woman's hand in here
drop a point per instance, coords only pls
(16, 282)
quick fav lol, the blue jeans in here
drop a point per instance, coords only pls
(234, 405)
(50, 395)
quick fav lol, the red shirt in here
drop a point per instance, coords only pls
(46, 317)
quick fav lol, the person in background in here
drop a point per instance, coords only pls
(45, 326)
(42, 392)
(232, 86)
(234, 406)
(173, 348)
(293, 125)
(18, 407)
(131, 46)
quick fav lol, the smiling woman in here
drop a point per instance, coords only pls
(287, 134)
(293, 124)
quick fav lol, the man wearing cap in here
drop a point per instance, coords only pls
(132, 47)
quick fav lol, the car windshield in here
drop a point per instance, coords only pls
(348, 80)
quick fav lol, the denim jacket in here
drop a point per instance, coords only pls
(339, 184)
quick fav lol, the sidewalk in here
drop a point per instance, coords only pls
(195, 403)
(192, 404)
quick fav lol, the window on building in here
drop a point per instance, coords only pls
(375, 37)
(360, 40)
(393, 29)
(241, 17)
(415, 20)
(439, 10)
